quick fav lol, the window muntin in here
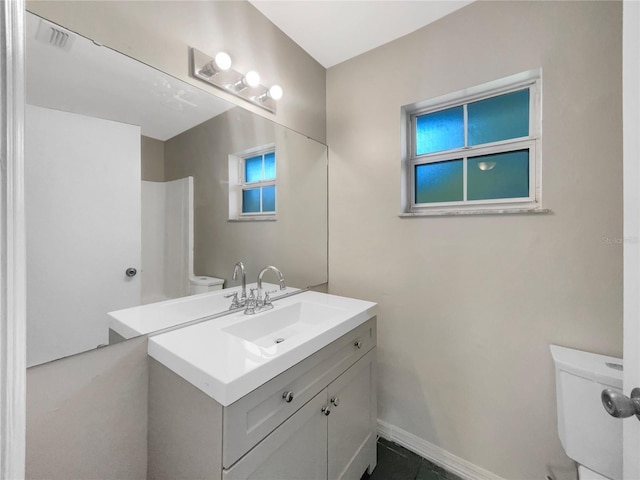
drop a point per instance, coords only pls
(258, 184)
(477, 152)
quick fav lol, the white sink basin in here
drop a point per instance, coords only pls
(285, 324)
(230, 356)
(131, 322)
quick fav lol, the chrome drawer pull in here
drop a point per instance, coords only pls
(288, 397)
(326, 411)
(358, 344)
(335, 401)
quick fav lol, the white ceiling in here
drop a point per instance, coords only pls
(332, 31)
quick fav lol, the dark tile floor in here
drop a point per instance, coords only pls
(398, 463)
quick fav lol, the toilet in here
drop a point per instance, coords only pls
(202, 284)
(589, 435)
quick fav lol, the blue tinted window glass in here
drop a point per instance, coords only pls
(269, 199)
(498, 118)
(439, 182)
(270, 166)
(502, 175)
(253, 169)
(440, 131)
(251, 200)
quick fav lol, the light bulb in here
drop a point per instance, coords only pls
(251, 79)
(276, 92)
(222, 61)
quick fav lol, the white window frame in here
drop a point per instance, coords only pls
(238, 183)
(533, 203)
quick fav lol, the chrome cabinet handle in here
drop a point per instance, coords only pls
(326, 411)
(619, 405)
(130, 272)
(288, 397)
(335, 401)
(358, 344)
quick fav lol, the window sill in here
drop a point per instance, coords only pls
(458, 213)
(253, 219)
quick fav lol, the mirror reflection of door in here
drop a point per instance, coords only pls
(82, 183)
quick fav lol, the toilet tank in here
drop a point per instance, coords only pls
(589, 435)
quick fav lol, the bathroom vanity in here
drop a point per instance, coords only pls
(285, 394)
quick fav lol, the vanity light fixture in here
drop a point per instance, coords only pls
(217, 71)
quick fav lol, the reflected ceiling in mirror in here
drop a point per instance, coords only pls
(77, 75)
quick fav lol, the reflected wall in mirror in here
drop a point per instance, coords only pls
(129, 168)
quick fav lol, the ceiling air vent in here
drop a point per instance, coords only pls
(55, 36)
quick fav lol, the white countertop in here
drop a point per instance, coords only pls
(131, 322)
(212, 357)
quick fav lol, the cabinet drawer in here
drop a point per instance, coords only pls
(257, 414)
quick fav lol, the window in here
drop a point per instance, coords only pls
(475, 151)
(252, 185)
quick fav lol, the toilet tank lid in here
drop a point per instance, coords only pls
(600, 368)
(206, 281)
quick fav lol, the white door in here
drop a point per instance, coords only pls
(83, 202)
(631, 122)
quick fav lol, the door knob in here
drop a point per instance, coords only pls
(620, 406)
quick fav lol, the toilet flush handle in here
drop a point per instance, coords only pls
(619, 405)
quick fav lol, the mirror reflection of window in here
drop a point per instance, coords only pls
(259, 183)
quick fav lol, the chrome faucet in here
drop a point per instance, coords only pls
(259, 304)
(235, 303)
(240, 267)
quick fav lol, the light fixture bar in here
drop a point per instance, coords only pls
(202, 67)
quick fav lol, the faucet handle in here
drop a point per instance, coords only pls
(234, 301)
(267, 300)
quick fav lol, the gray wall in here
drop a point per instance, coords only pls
(469, 305)
(160, 32)
(152, 159)
(297, 241)
(87, 415)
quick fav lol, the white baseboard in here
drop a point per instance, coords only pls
(456, 465)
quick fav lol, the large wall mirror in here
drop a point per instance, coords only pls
(136, 190)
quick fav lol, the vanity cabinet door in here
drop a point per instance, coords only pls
(296, 450)
(352, 420)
